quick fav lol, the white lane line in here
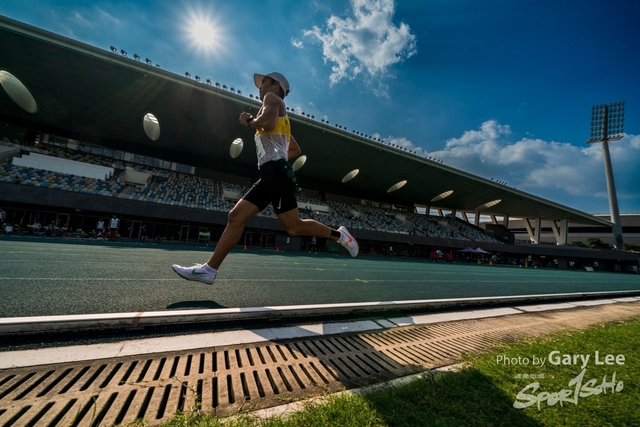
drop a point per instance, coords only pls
(295, 280)
(313, 267)
(85, 279)
(244, 268)
(442, 274)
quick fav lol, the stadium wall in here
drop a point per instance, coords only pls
(47, 199)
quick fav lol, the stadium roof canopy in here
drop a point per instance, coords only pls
(92, 95)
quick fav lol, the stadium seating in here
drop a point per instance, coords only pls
(55, 180)
(470, 232)
(235, 188)
(180, 189)
(69, 154)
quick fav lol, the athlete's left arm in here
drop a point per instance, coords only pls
(294, 148)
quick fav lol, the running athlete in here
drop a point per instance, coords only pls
(274, 147)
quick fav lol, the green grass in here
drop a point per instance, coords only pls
(606, 409)
(484, 391)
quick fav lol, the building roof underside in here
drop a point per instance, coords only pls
(93, 95)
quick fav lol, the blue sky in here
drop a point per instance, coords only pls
(499, 88)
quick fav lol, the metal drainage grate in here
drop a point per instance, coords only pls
(228, 379)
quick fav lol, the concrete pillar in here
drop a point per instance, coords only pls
(538, 229)
(534, 231)
(561, 231)
(618, 241)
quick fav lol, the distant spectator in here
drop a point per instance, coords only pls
(555, 263)
(113, 227)
(37, 227)
(143, 233)
(158, 239)
(8, 229)
(3, 216)
(100, 228)
(595, 265)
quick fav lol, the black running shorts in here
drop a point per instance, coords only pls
(276, 186)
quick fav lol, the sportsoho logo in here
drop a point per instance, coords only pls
(577, 387)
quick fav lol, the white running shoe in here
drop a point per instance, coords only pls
(347, 240)
(196, 272)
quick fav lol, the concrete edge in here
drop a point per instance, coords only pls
(72, 323)
(82, 353)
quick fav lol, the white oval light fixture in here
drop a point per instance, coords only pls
(348, 177)
(18, 92)
(151, 126)
(300, 161)
(397, 186)
(442, 196)
(236, 148)
(488, 205)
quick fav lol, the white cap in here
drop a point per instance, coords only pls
(284, 83)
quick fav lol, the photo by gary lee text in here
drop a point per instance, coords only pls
(557, 358)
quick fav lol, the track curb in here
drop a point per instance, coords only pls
(85, 322)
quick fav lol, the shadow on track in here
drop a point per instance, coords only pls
(195, 304)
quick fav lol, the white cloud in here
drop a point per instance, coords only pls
(77, 23)
(297, 43)
(536, 165)
(404, 143)
(106, 16)
(81, 20)
(369, 41)
(297, 109)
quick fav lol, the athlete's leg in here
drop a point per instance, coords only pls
(303, 227)
(239, 215)
(309, 227)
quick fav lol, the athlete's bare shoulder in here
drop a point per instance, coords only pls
(271, 98)
(273, 101)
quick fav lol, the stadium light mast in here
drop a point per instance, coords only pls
(607, 124)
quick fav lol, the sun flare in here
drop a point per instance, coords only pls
(204, 33)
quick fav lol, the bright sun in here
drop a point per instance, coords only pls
(203, 33)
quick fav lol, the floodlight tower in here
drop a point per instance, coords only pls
(607, 124)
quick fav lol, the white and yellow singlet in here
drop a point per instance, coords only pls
(274, 144)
